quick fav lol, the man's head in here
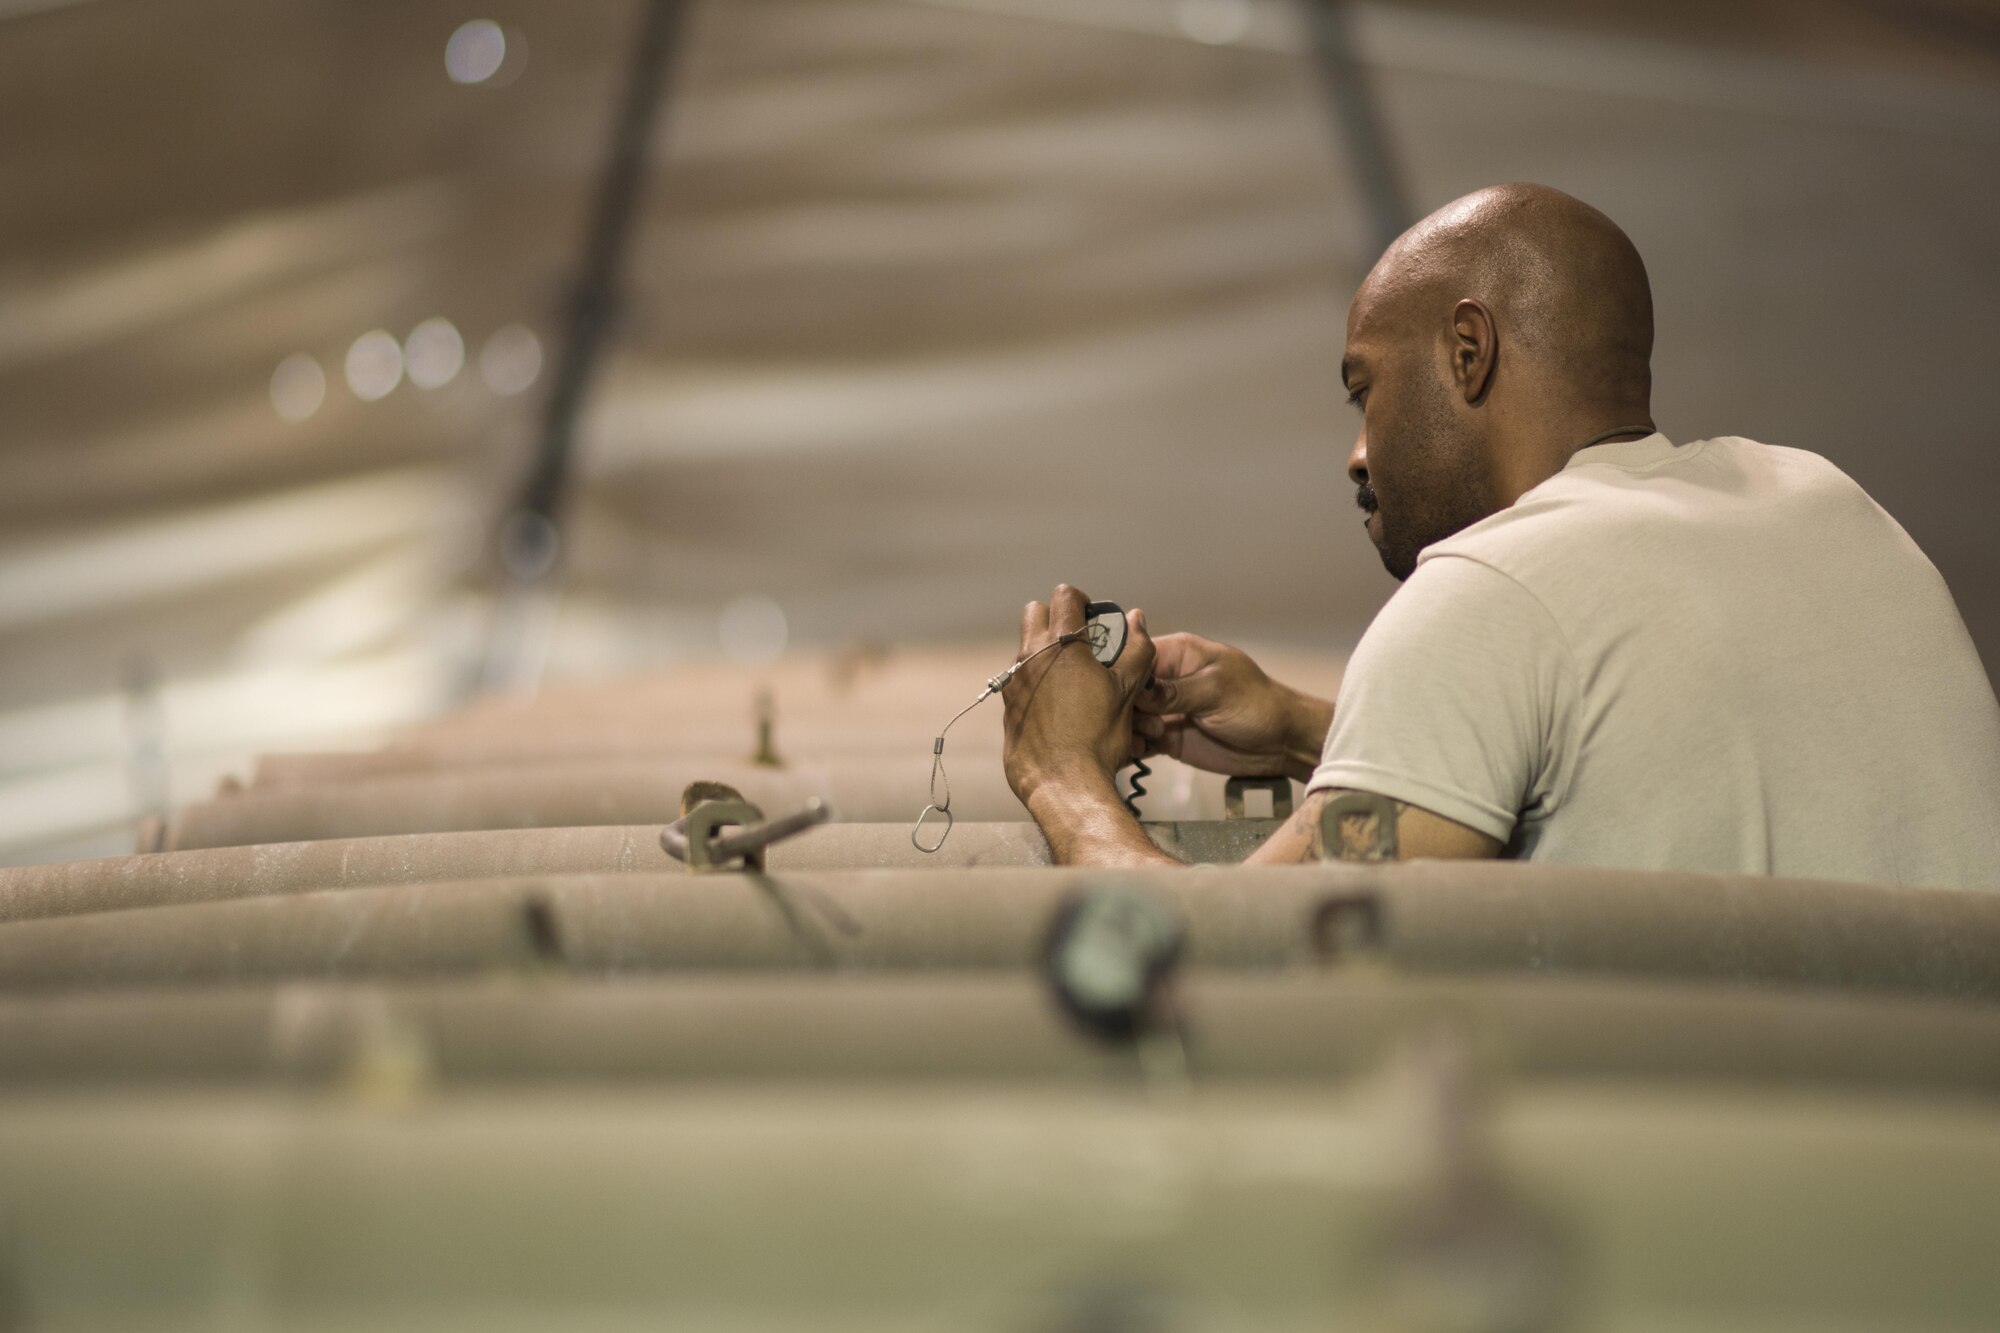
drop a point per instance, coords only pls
(1489, 342)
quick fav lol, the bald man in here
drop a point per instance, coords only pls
(1608, 649)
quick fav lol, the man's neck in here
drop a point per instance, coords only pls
(1549, 450)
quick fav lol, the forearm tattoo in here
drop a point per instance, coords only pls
(1360, 826)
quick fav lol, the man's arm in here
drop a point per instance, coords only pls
(1095, 829)
(1087, 825)
(1418, 834)
(1211, 706)
(1069, 727)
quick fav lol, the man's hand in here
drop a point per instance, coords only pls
(1069, 720)
(1214, 708)
(1069, 728)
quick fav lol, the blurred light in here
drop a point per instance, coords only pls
(374, 365)
(134, 564)
(753, 630)
(298, 387)
(511, 360)
(529, 545)
(475, 52)
(1215, 22)
(434, 353)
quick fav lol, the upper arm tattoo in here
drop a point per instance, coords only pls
(1360, 826)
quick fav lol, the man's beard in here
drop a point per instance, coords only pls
(1440, 488)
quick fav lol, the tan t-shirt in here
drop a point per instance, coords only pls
(1720, 656)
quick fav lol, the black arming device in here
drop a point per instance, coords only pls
(1105, 632)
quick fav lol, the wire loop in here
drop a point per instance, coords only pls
(943, 833)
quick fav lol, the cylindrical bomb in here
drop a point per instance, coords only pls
(700, 741)
(704, 739)
(899, 684)
(66, 888)
(639, 922)
(622, 792)
(163, 879)
(903, 1206)
(1297, 1026)
(1506, 916)
(1456, 917)
(989, 1210)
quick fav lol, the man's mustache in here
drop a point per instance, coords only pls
(1365, 497)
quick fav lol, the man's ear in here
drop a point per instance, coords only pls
(1475, 350)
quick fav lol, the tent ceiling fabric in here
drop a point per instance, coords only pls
(931, 305)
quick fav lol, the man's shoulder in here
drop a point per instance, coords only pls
(1623, 497)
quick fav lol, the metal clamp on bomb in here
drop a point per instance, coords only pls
(1108, 957)
(720, 833)
(1280, 789)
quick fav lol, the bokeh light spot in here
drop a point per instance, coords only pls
(298, 387)
(511, 360)
(374, 365)
(475, 51)
(434, 353)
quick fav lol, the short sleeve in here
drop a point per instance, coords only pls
(1456, 700)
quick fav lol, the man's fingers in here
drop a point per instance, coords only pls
(1176, 659)
(1159, 696)
(1168, 741)
(1135, 665)
(1183, 654)
(1174, 652)
(1034, 625)
(1066, 609)
(1192, 695)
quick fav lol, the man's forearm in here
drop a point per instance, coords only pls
(1305, 735)
(1087, 825)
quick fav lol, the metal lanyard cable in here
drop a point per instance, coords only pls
(938, 775)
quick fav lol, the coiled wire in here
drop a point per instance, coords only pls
(1140, 770)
